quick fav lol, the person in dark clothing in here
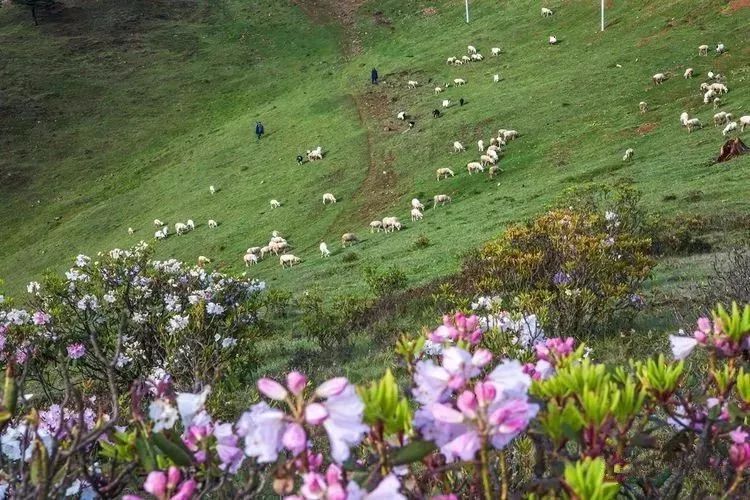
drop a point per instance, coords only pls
(259, 130)
(461, 101)
(436, 113)
(300, 160)
(374, 76)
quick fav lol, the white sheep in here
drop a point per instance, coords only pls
(289, 259)
(459, 81)
(703, 50)
(509, 135)
(464, 59)
(275, 204)
(415, 203)
(717, 102)
(643, 106)
(376, 225)
(250, 259)
(485, 159)
(693, 124)
(438, 90)
(658, 78)
(444, 173)
(315, 154)
(492, 153)
(471, 49)
(688, 73)
(451, 60)
(165, 230)
(159, 235)
(416, 214)
(546, 12)
(495, 78)
(277, 247)
(324, 252)
(401, 115)
(446, 103)
(328, 197)
(708, 96)
(495, 51)
(720, 118)
(710, 74)
(480, 145)
(628, 154)
(264, 250)
(412, 84)
(190, 224)
(744, 122)
(350, 238)
(440, 198)
(719, 88)
(730, 127)
(131, 231)
(180, 228)
(494, 169)
(474, 166)
(720, 48)
(458, 147)
(684, 117)
(202, 261)
(211, 189)
(253, 250)
(212, 224)
(391, 224)
(158, 223)
(552, 40)
(477, 57)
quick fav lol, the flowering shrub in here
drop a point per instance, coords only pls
(579, 269)
(490, 406)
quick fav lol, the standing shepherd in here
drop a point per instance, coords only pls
(374, 76)
(259, 130)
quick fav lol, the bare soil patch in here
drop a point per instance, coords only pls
(343, 12)
(646, 128)
(736, 5)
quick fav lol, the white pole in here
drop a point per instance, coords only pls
(467, 11)
(602, 15)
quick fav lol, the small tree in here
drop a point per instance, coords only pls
(36, 5)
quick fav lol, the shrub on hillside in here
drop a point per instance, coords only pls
(385, 282)
(731, 278)
(579, 268)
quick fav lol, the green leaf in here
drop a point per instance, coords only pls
(173, 447)
(412, 452)
(145, 454)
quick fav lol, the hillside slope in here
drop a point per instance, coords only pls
(114, 115)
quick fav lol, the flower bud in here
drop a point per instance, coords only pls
(332, 387)
(315, 414)
(481, 358)
(272, 389)
(173, 477)
(296, 382)
(156, 484)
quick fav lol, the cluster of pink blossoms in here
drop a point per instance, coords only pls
(739, 452)
(707, 334)
(457, 328)
(548, 354)
(167, 486)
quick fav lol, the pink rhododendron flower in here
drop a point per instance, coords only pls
(189, 405)
(295, 439)
(738, 435)
(41, 318)
(76, 350)
(156, 484)
(344, 422)
(739, 455)
(262, 427)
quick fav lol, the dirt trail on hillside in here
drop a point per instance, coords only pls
(377, 190)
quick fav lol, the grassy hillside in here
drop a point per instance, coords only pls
(118, 113)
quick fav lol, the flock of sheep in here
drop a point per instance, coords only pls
(711, 91)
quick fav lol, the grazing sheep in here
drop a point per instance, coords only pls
(289, 260)
(328, 197)
(159, 235)
(546, 12)
(202, 261)
(390, 224)
(275, 204)
(471, 49)
(277, 247)
(492, 153)
(315, 154)
(376, 225)
(401, 115)
(485, 159)
(509, 135)
(464, 59)
(480, 145)
(552, 40)
(474, 167)
(708, 96)
(131, 231)
(165, 230)
(211, 189)
(158, 223)
(477, 57)
(658, 78)
(412, 84)
(446, 103)
(495, 51)
(720, 49)
(190, 224)
(350, 238)
(459, 81)
(729, 128)
(440, 198)
(494, 169)
(253, 250)
(212, 224)
(264, 250)
(703, 50)
(688, 73)
(693, 124)
(438, 90)
(717, 102)
(415, 203)
(324, 252)
(720, 118)
(628, 154)
(444, 173)
(250, 259)
(719, 88)
(643, 106)
(684, 117)
(180, 228)
(458, 147)
(744, 122)
(416, 214)
(710, 75)
(495, 78)
(450, 60)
